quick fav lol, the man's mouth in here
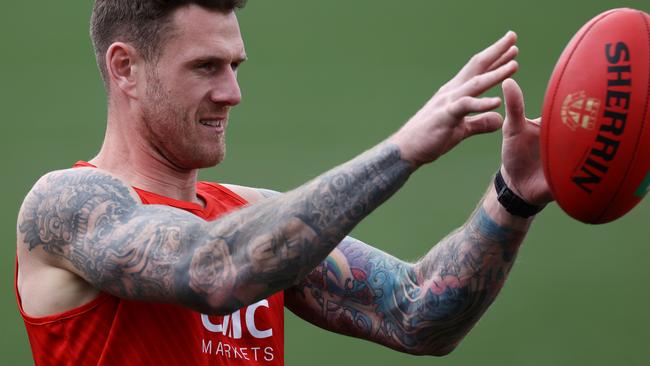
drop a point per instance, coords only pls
(214, 126)
(212, 123)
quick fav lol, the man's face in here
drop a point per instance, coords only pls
(191, 88)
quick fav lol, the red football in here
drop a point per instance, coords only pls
(595, 138)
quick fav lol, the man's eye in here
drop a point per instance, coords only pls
(208, 67)
(235, 65)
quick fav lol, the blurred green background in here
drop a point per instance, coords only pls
(326, 80)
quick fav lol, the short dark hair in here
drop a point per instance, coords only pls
(142, 23)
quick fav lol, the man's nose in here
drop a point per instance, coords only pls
(226, 89)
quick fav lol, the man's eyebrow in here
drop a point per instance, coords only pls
(216, 59)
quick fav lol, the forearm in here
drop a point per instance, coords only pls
(467, 269)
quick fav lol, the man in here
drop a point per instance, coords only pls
(127, 259)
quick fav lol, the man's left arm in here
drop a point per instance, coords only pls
(421, 308)
(429, 306)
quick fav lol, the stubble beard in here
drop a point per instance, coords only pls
(169, 127)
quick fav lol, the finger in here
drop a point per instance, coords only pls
(483, 123)
(467, 105)
(481, 62)
(480, 83)
(505, 58)
(515, 110)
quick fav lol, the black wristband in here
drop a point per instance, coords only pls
(511, 202)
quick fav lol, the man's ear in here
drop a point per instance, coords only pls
(122, 68)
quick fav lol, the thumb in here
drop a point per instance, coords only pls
(515, 111)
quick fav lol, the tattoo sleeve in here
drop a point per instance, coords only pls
(90, 223)
(421, 308)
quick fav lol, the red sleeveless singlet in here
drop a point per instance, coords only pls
(113, 331)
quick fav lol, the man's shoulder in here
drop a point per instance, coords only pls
(57, 179)
(58, 199)
(55, 209)
(80, 179)
(58, 176)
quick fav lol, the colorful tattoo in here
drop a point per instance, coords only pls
(421, 308)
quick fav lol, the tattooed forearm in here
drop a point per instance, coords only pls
(421, 308)
(90, 222)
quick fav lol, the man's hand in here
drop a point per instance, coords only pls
(444, 120)
(522, 167)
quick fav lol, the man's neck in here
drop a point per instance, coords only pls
(139, 165)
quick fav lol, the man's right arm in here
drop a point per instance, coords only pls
(91, 224)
